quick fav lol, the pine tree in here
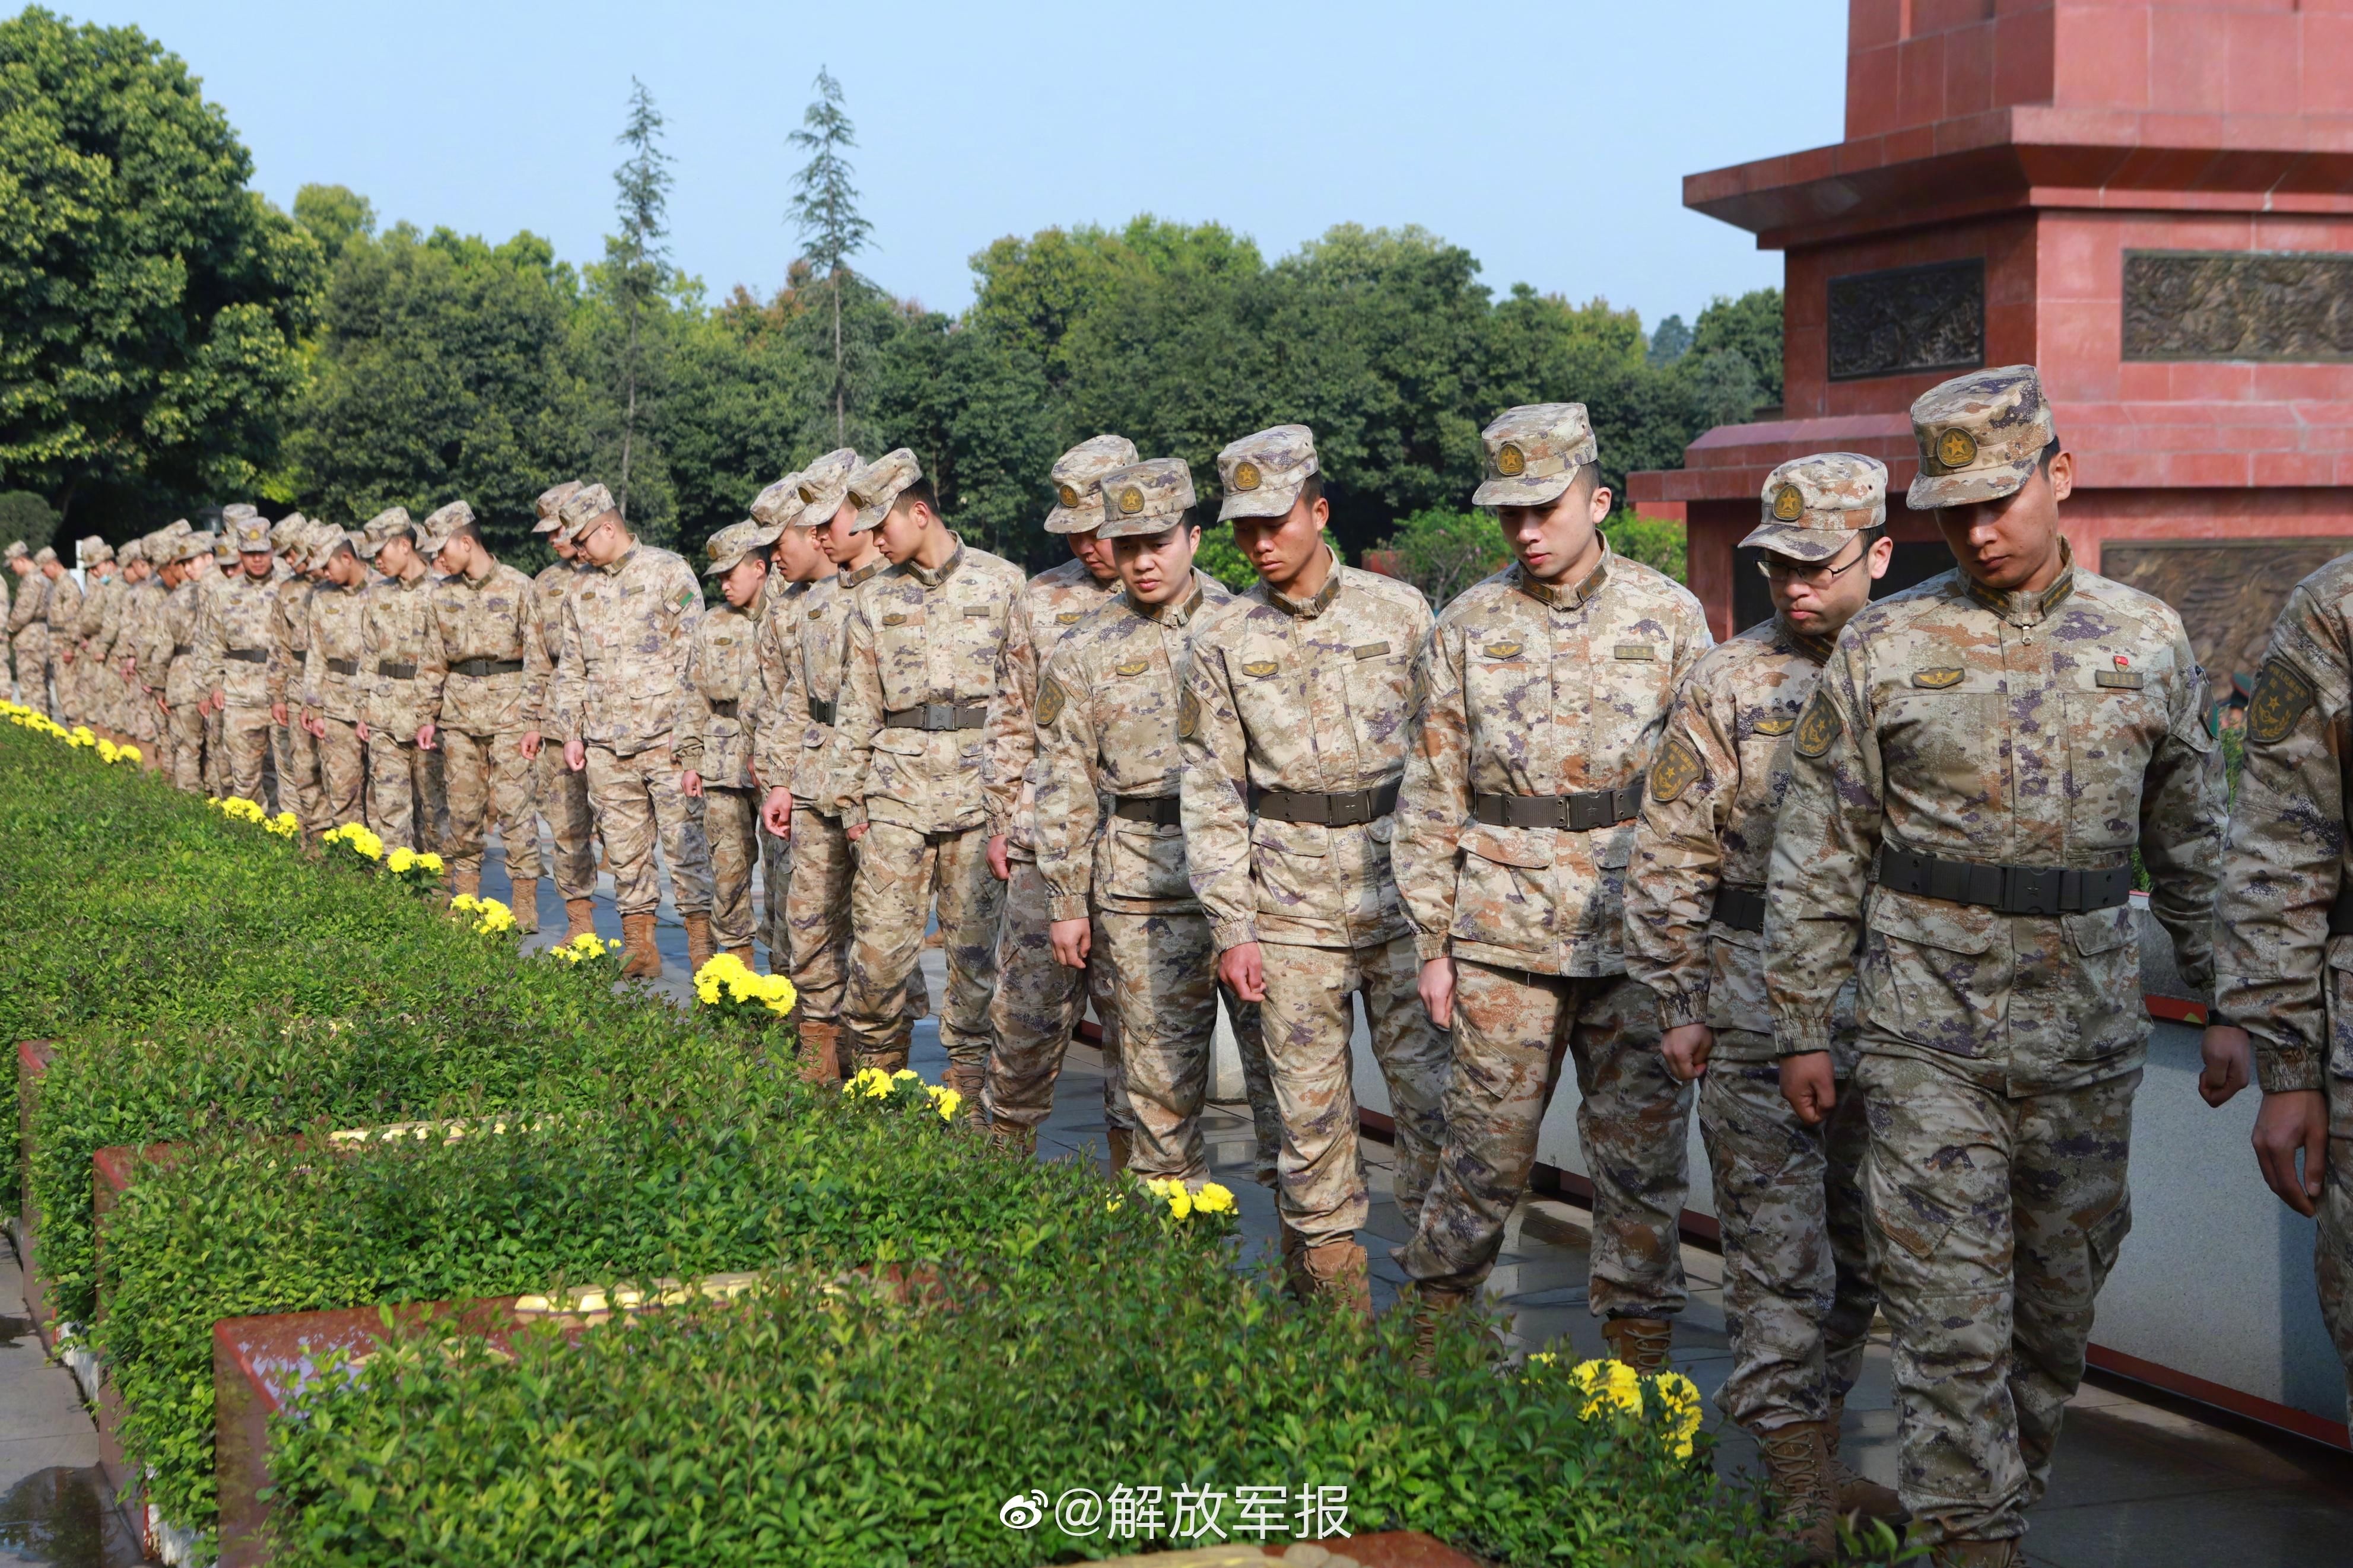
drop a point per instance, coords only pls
(824, 207)
(643, 183)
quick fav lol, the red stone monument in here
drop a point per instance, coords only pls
(2150, 199)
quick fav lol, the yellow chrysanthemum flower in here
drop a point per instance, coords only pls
(945, 1101)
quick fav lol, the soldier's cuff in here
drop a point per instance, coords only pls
(1680, 1009)
(1002, 828)
(1067, 907)
(1429, 945)
(853, 815)
(1227, 934)
(1798, 1036)
(688, 758)
(2278, 1072)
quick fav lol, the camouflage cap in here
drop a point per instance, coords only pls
(779, 505)
(1077, 507)
(1533, 452)
(589, 504)
(236, 510)
(1814, 505)
(323, 539)
(247, 535)
(550, 506)
(441, 524)
(43, 555)
(285, 531)
(1980, 435)
(15, 551)
(734, 542)
(131, 550)
(874, 488)
(224, 548)
(1262, 474)
(178, 525)
(93, 550)
(825, 484)
(380, 529)
(190, 546)
(1145, 497)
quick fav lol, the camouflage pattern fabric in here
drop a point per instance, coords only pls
(28, 636)
(731, 826)
(625, 630)
(1165, 993)
(901, 875)
(718, 712)
(1980, 435)
(175, 629)
(2333, 1239)
(1036, 1006)
(817, 920)
(343, 773)
(561, 796)
(488, 779)
(404, 793)
(1048, 606)
(637, 801)
(63, 613)
(801, 644)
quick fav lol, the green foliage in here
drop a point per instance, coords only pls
(1443, 551)
(153, 301)
(25, 516)
(1221, 558)
(1750, 327)
(1653, 541)
(335, 215)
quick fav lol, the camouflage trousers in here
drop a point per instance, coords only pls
(216, 764)
(301, 750)
(343, 775)
(1165, 993)
(731, 826)
(487, 777)
(1306, 1023)
(2333, 1245)
(901, 874)
(638, 800)
(140, 719)
(1511, 1030)
(402, 790)
(1036, 1006)
(1994, 1220)
(245, 746)
(33, 668)
(1798, 1296)
(184, 729)
(817, 918)
(562, 799)
(775, 879)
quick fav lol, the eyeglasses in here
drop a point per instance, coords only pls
(1780, 569)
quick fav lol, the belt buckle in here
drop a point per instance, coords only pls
(2032, 889)
(939, 716)
(1571, 807)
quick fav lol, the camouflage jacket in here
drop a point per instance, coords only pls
(1312, 696)
(918, 637)
(2275, 961)
(1716, 784)
(1106, 728)
(1043, 613)
(174, 644)
(626, 628)
(142, 612)
(289, 639)
(95, 596)
(400, 677)
(238, 628)
(2059, 729)
(497, 619)
(63, 613)
(802, 641)
(332, 686)
(28, 624)
(1531, 689)
(719, 700)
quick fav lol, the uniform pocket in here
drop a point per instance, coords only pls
(2106, 1004)
(1502, 891)
(2338, 997)
(1930, 974)
(1287, 860)
(1736, 982)
(1145, 861)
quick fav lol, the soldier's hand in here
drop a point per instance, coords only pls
(777, 812)
(316, 725)
(1072, 939)
(278, 715)
(425, 737)
(361, 730)
(1437, 988)
(689, 785)
(2228, 1054)
(2293, 1120)
(575, 754)
(1243, 970)
(1687, 1048)
(857, 833)
(998, 867)
(218, 700)
(530, 746)
(1810, 1087)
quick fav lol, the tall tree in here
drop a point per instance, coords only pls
(151, 303)
(637, 253)
(825, 209)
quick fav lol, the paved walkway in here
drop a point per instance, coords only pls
(2141, 1482)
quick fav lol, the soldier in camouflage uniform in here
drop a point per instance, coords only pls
(560, 794)
(1294, 735)
(1106, 729)
(135, 649)
(2284, 931)
(233, 649)
(488, 658)
(1797, 1299)
(169, 658)
(1997, 741)
(28, 626)
(333, 695)
(718, 717)
(400, 691)
(1545, 690)
(102, 585)
(626, 628)
(795, 561)
(1038, 1001)
(917, 678)
(63, 613)
(287, 536)
(290, 642)
(803, 641)
(213, 574)
(107, 644)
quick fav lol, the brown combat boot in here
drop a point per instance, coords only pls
(1296, 1277)
(699, 946)
(642, 958)
(525, 906)
(1976, 1554)
(1798, 1474)
(1640, 1342)
(820, 1051)
(742, 955)
(579, 918)
(1339, 1271)
(1014, 1139)
(1856, 1493)
(466, 880)
(1122, 1142)
(1432, 1305)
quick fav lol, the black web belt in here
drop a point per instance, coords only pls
(936, 716)
(247, 655)
(343, 667)
(1158, 809)
(724, 706)
(2341, 913)
(182, 650)
(821, 711)
(2006, 890)
(1580, 812)
(1742, 908)
(1343, 810)
(481, 668)
(391, 672)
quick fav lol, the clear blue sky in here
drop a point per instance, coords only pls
(1550, 140)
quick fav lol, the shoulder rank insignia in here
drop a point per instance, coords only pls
(1677, 769)
(1069, 617)
(1133, 666)
(1188, 713)
(1774, 724)
(1260, 668)
(2282, 695)
(1936, 679)
(1507, 649)
(1051, 698)
(1816, 727)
